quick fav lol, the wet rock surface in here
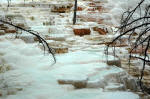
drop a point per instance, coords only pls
(84, 44)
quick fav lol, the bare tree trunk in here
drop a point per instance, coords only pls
(75, 10)
(8, 4)
(24, 2)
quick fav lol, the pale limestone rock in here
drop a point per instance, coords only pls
(76, 82)
(146, 72)
(96, 84)
(27, 39)
(4, 68)
(56, 38)
(61, 8)
(116, 62)
(130, 83)
(11, 91)
(2, 32)
(146, 97)
(114, 87)
(60, 50)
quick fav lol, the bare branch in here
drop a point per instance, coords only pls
(41, 40)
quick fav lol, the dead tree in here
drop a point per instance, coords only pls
(24, 2)
(36, 34)
(131, 24)
(75, 13)
(8, 3)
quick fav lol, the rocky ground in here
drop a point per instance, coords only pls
(81, 70)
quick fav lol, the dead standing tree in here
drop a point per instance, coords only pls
(8, 3)
(132, 23)
(24, 2)
(75, 13)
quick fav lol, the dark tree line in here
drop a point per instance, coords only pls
(131, 23)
